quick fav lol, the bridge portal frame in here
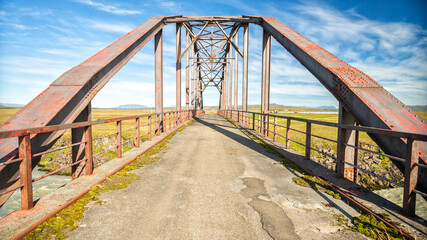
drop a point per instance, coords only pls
(68, 96)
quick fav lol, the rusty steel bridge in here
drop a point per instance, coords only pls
(210, 58)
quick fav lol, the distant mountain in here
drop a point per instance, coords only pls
(10, 105)
(333, 108)
(132, 106)
(419, 108)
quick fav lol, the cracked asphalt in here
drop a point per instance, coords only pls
(213, 181)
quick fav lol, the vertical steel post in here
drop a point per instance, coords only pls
(265, 85)
(25, 171)
(356, 162)
(345, 153)
(288, 133)
(137, 133)
(78, 152)
(158, 72)
(230, 81)
(149, 128)
(192, 77)
(411, 176)
(119, 139)
(236, 71)
(275, 129)
(245, 70)
(226, 79)
(88, 150)
(187, 72)
(178, 68)
(307, 141)
(253, 121)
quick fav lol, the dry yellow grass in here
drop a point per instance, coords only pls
(323, 131)
(107, 128)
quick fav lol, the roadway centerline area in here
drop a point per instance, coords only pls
(213, 181)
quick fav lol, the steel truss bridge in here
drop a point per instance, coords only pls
(211, 55)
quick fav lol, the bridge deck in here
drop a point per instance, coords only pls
(213, 182)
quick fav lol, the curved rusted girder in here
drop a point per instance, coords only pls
(365, 99)
(67, 96)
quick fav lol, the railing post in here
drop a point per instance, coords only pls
(25, 171)
(137, 140)
(88, 150)
(411, 176)
(172, 118)
(149, 128)
(267, 125)
(259, 123)
(275, 129)
(288, 133)
(307, 141)
(119, 139)
(356, 162)
(253, 121)
(238, 116)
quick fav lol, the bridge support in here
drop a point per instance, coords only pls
(265, 84)
(236, 72)
(187, 71)
(245, 71)
(158, 76)
(230, 81)
(178, 70)
(78, 152)
(345, 153)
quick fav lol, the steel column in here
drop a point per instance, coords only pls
(78, 152)
(158, 76)
(178, 68)
(265, 84)
(411, 176)
(187, 72)
(230, 82)
(245, 67)
(236, 72)
(25, 171)
(345, 136)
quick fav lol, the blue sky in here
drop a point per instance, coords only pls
(40, 40)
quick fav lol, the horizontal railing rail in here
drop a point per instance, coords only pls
(161, 121)
(261, 122)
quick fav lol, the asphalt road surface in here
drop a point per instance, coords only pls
(213, 181)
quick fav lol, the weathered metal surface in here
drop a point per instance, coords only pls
(365, 99)
(178, 67)
(158, 79)
(66, 97)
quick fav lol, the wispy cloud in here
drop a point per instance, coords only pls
(108, 8)
(18, 26)
(111, 27)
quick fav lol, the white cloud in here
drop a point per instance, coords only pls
(111, 27)
(108, 8)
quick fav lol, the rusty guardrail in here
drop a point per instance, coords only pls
(261, 122)
(162, 121)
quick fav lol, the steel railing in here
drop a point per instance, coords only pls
(162, 122)
(261, 123)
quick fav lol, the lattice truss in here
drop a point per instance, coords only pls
(212, 46)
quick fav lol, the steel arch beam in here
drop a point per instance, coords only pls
(69, 95)
(369, 103)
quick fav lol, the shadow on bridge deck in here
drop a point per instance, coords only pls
(214, 182)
